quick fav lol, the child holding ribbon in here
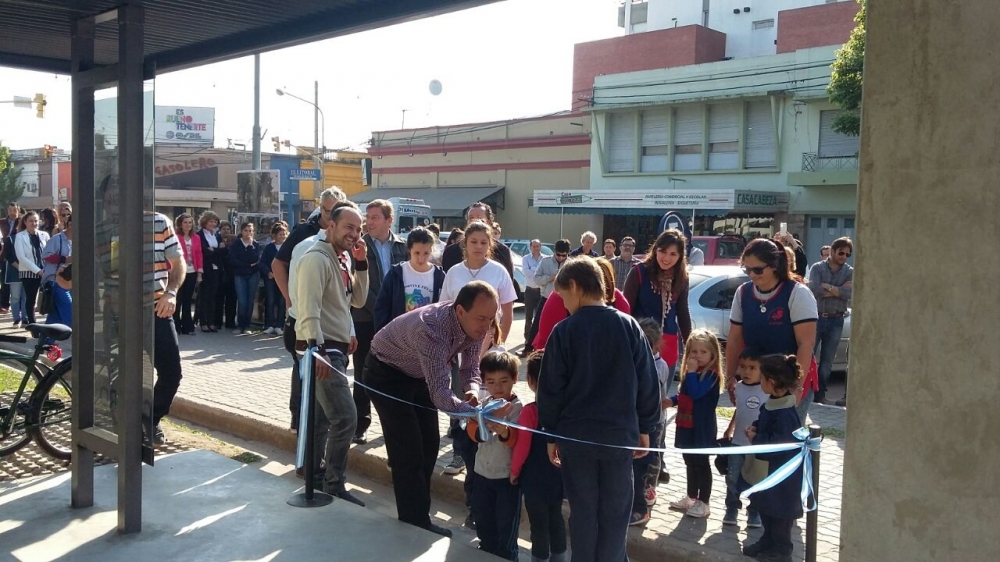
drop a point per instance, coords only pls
(696, 427)
(540, 481)
(496, 500)
(780, 505)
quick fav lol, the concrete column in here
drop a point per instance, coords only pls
(922, 465)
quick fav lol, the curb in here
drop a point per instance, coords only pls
(369, 460)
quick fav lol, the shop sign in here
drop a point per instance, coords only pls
(189, 165)
(185, 125)
(630, 199)
(769, 201)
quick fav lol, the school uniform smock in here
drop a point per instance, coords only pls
(696, 402)
(778, 420)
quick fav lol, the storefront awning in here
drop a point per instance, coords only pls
(628, 212)
(443, 201)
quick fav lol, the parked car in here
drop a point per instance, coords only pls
(720, 250)
(711, 300)
(521, 246)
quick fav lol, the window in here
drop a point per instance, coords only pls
(760, 151)
(689, 132)
(621, 142)
(655, 141)
(763, 24)
(724, 136)
(721, 295)
(833, 144)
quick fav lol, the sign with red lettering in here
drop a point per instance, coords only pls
(184, 125)
(178, 166)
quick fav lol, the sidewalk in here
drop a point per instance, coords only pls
(240, 384)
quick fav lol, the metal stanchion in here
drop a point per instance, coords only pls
(305, 454)
(812, 518)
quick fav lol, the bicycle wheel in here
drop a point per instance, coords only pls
(50, 418)
(15, 436)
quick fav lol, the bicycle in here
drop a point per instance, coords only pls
(40, 410)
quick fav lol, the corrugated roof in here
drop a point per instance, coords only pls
(35, 34)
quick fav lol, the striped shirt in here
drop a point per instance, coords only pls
(622, 268)
(424, 343)
(165, 249)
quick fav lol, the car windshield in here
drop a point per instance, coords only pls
(695, 279)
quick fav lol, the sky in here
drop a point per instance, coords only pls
(501, 61)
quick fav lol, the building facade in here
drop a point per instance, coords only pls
(754, 127)
(501, 163)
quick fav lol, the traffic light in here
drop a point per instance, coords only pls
(277, 144)
(47, 150)
(287, 143)
(40, 105)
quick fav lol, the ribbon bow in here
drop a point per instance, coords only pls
(482, 414)
(803, 458)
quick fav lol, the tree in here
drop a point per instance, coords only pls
(845, 81)
(9, 176)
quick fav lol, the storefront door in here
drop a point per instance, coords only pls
(823, 231)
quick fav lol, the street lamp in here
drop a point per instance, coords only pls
(316, 152)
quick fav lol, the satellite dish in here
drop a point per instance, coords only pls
(435, 87)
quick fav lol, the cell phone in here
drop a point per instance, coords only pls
(784, 228)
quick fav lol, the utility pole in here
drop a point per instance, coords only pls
(256, 112)
(322, 172)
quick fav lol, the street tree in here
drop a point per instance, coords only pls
(845, 81)
(10, 190)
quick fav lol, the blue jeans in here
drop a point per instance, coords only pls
(828, 332)
(246, 292)
(274, 312)
(335, 419)
(17, 301)
(732, 477)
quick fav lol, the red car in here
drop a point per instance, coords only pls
(720, 250)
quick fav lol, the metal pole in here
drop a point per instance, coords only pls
(256, 112)
(317, 187)
(812, 518)
(310, 497)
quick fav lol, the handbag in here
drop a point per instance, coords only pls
(46, 305)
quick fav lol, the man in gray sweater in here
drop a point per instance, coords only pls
(325, 290)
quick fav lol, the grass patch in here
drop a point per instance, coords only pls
(727, 413)
(246, 457)
(9, 379)
(834, 432)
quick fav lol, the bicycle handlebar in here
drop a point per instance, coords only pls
(12, 339)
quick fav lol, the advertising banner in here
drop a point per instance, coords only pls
(185, 125)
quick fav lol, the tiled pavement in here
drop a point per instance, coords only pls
(241, 384)
(250, 375)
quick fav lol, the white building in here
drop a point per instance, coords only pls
(716, 126)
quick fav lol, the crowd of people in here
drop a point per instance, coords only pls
(425, 323)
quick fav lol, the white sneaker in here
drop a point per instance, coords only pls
(271, 331)
(684, 503)
(699, 510)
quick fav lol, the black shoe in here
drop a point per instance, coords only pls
(360, 438)
(439, 530)
(470, 522)
(348, 497)
(774, 557)
(159, 438)
(664, 477)
(819, 398)
(754, 549)
(842, 402)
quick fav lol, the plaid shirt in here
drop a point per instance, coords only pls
(622, 268)
(424, 343)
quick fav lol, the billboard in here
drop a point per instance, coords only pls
(185, 125)
(257, 199)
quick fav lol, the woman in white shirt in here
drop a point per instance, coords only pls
(477, 244)
(28, 246)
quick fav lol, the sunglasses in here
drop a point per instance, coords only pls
(558, 255)
(848, 254)
(754, 270)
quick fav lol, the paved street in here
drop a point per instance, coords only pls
(249, 375)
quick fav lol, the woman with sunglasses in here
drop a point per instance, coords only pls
(657, 288)
(774, 313)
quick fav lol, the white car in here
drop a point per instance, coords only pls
(710, 299)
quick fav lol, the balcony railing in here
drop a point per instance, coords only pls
(811, 162)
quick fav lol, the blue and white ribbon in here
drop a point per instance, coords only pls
(804, 446)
